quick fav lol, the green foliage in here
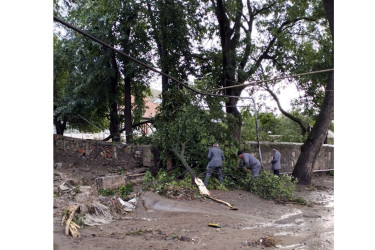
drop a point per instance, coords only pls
(142, 140)
(269, 124)
(163, 183)
(93, 76)
(77, 189)
(79, 219)
(148, 181)
(189, 129)
(270, 186)
(122, 191)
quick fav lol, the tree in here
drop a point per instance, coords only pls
(74, 105)
(188, 131)
(310, 149)
(173, 24)
(119, 24)
(242, 55)
(61, 70)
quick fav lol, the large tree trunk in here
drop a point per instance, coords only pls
(60, 126)
(114, 122)
(128, 110)
(114, 119)
(229, 42)
(311, 147)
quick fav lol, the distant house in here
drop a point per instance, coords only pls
(151, 102)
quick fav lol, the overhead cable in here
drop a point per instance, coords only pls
(270, 80)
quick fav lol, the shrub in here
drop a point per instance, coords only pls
(270, 186)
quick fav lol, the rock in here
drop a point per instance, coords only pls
(103, 199)
(109, 182)
(269, 242)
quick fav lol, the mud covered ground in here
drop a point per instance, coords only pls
(161, 223)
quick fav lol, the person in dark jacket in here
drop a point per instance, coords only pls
(276, 165)
(216, 157)
(251, 163)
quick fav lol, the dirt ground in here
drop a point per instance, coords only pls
(161, 223)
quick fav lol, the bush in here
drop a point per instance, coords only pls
(165, 184)
(266, 185)
(270, 186)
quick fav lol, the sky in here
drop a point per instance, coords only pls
(26, 107)
(285, 96)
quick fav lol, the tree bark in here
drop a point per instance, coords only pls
(311, 148)
(114, 118)
(128, 111)
(180, 155)
(229, 42)
(60, 126)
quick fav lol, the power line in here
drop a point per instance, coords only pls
(273, 79)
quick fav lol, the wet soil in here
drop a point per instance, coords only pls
(162, 223)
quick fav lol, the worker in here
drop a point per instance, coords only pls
(251, 163)
(215, 157)
(276, 165)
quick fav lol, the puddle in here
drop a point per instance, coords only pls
(286, 220)
(294, 246)
(284, 233)
(294, 213)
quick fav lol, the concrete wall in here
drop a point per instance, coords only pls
(289, 155)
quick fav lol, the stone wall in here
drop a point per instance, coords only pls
(289, 155)
(126, 155)
(144, 155)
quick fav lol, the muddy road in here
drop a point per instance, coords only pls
(161, 223)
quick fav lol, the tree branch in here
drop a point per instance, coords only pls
(256, 12)
(285, 25)
(133, 126)
(293, 118)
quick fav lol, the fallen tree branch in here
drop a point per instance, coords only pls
(70, 226)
